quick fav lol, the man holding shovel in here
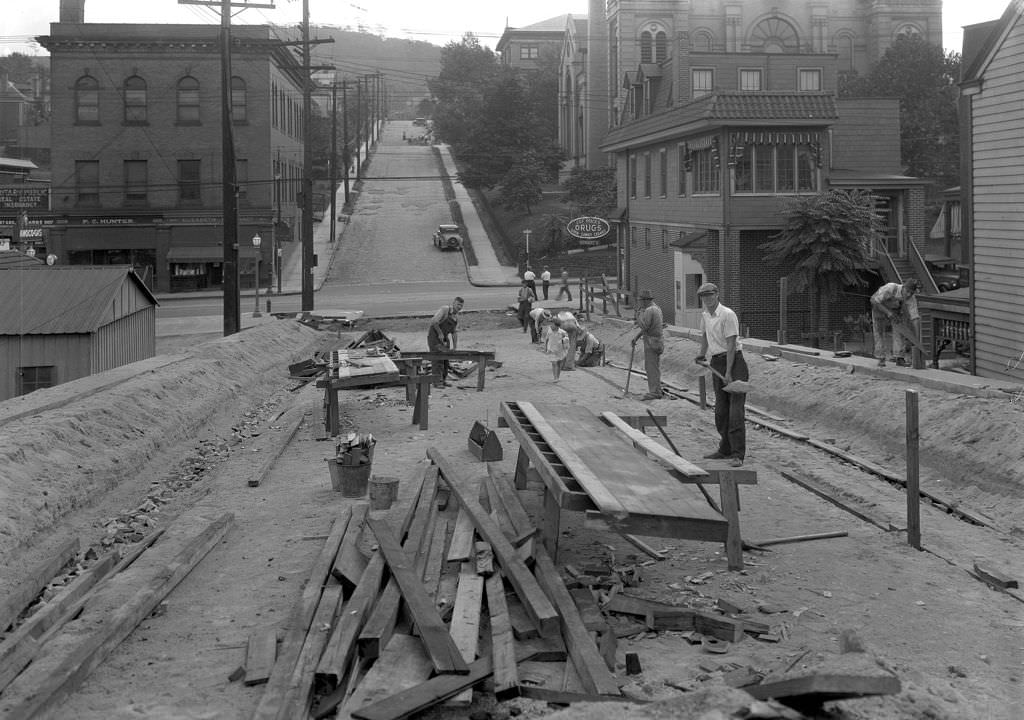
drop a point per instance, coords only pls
(896, 305)
(720, 330)
(649, 320)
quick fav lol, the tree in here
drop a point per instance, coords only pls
(591, 192)
(825, 246)
(924, 79)
(521, 186)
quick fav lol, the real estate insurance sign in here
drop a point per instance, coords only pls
(17, 198)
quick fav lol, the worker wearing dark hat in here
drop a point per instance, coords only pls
(720, 331)
(649, 321)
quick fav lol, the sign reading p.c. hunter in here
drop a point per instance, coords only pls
(588, 228)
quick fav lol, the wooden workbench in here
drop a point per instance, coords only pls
(480, 356)
(620, 477)
(357, 369)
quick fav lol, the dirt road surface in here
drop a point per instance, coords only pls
(101, 459)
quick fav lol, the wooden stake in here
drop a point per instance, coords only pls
(913, 477)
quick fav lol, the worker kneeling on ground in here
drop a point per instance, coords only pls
(591, 350)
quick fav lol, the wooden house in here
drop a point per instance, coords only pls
(993, 180)
(62, 323)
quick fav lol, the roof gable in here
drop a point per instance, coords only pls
(57, 300)
(993, 41)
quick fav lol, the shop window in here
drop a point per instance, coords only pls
(188, 101)
(87, 101)
(35, 377)
(87, 182)
(135, 101)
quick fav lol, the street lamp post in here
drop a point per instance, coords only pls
(280, 251)
(526, 233)
(256, 240)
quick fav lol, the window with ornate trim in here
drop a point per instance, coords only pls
(706, 176)
(660, 46)
(135, 101)
(750, 79)
(87, 182)
(188, 101)
(775, 169)
(646, 47)
(702, 81)
(702, 41)
(87, 101)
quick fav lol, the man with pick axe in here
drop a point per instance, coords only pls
(720, 330)
(896, 305)
(649, 321)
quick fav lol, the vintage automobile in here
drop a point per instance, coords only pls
(420, 122)
(448, 237)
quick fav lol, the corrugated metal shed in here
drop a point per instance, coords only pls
(54, 300)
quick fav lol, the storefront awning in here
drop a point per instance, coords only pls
(206, 254)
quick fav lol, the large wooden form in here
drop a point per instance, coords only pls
(361, 370)
(620, 477)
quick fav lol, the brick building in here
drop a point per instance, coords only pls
(137, 139)
(524, 47)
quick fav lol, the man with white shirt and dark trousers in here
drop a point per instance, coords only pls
(720, 330)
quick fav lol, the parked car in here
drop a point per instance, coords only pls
(944, 271)
(420, 122)
(448, 237)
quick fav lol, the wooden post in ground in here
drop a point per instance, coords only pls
(913, 477)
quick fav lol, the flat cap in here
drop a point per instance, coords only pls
(707, 289)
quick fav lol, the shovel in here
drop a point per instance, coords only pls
(629, 373)
(736, 386)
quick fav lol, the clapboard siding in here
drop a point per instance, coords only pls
(997, 131)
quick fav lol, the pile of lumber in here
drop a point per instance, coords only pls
(374, 338)
(456, 592)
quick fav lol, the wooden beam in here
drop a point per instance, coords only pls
(465, 624)
(350, 562)
(401, 665)
(533, 598)
(503, 489)
(503, 653)
(18, 598)
(260, 655)
(462, 545)
(652, 448)
(298, 624)
(439, 644)
(125, 601)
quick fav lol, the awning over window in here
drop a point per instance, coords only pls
(701, 143)
(775, 137)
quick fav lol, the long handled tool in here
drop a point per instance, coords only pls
(629, 373)
(736, 386)
(672, 445)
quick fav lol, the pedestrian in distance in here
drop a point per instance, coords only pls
(538, 316)
(443, 335)
(564, 286)
(894, 306)
(649, 323)
(531, 279)
(556, 346)
(720, 331)
(525, 299)
(545, 281)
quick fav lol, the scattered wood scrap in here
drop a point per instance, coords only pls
(838, 677)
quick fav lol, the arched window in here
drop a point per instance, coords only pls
(188, 101)
(774, 35)
(702, 41)
(238, 100)
(87, 100)
(646, 47)
(660, 46)
(135, 101)
(908, 30)
(844, 49)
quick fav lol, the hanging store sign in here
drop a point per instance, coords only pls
(588, 228)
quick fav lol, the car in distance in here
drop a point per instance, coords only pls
(448, 237)
(420, 122)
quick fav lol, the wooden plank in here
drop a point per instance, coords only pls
(503, 654)
(434, 561)
(663, 526)
(522, 626)
(350, 562)
(989, 574)
(300, 620)
(590, 613)
(567, 697)
(465, 624)
(605, 500)
(382, 618)
(260, 655)
(14, 657)
(18, 598)
(585, 656)
(484, 559)
(462, 545)
(439, 644)
(670, 617)
(403, 664)
(68, 658)
(290, 427)
(654, 449)
(533, 598)
(506, 494)
(837, 677)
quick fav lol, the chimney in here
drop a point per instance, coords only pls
(72, 11)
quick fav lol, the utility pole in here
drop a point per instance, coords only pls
(334, 155)
(307, 165)
(229, 185)
(359, 129)
(346, 156)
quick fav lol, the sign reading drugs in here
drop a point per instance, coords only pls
(588, 228)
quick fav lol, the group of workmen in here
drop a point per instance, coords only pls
(721, 351)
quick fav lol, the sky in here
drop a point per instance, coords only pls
(435, 21)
